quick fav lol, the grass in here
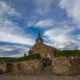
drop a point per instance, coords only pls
(67, 53)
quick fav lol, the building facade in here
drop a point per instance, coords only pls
(40, 48)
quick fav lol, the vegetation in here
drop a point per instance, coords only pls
(29, 57)
(67, 53)
(6, 59)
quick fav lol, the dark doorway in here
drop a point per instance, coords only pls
(46, 62)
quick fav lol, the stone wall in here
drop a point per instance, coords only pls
(66, 65)
(27, 67)
(2, 67)
(5, 67)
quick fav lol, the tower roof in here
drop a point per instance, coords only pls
(39, 36)
(39, 39)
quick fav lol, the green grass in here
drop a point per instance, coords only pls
(29, 57)
(67, 53)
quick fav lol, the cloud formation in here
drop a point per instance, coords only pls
(9, 30)
(57, 20)
(12, 51)
(44, 23)
(43, 6)
(61, 38)
(72, 7)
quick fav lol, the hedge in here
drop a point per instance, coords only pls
(67, 53)
(6, 59)
(29, 57)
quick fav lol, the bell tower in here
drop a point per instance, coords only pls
(39, 39)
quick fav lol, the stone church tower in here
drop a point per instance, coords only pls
(40, 48)
(39, 39)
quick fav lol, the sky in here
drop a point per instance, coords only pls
(58, 22)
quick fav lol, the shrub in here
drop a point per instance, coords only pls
(6, 59)
(67, 53)
(29, 57)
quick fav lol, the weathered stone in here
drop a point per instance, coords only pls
(2, 67)
(5, 67)
(27, 67)
(43, 49)
(66, 65)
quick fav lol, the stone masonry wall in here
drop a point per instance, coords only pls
(3, 67)
(66, 65)
(27, 67)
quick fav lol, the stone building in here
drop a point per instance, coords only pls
(40, 48)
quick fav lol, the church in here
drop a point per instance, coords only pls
(40, 48)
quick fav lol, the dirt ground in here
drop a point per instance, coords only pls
(37, 77)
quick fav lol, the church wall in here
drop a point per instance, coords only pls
(42, 50)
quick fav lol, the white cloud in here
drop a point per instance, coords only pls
(12, 51)
(72, 8)
(8, 37)
(61, 38)
(5, 9)
(44, 23)
(10, 31)
(43, 6)
(79, 37)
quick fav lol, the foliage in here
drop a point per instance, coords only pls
(29, 57)
(6, 59)
(67, 53)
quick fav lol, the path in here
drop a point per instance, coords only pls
(47, 70)
(37, 77)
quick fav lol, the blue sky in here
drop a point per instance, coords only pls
(58, 21)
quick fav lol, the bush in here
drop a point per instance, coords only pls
(6, 59)
(67, 53)
(29, 57)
